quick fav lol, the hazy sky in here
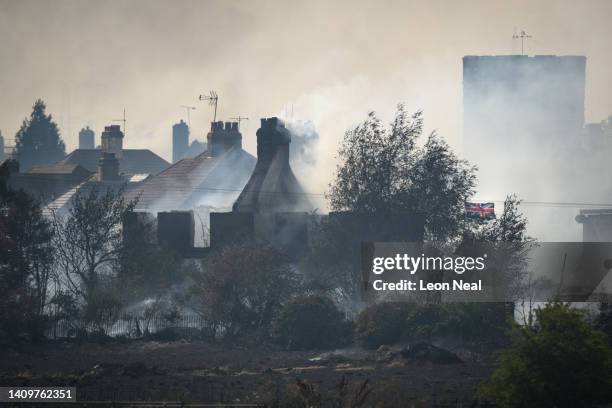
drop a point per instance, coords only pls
(332, 61)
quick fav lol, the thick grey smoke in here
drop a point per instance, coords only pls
(305, 158)
(524, 129)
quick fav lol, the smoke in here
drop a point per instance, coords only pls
(88, 61)
(524, 129)
(304, 158)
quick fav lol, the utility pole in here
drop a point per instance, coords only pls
(522, 36)
(239, 119)
(124, 120)
(213, 100)
(188, 108)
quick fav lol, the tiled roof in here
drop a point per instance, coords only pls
(47, 186)
(202, 180)
(59, 168)
(61, 203)
(134, 161)
(273, 187)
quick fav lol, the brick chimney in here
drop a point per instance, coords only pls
(272, 138)
(108, 167)
(222, 138)
(112, 140)
(87, 139)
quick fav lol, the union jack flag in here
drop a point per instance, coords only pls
(480, 211)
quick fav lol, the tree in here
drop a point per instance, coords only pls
(38, 140)
(508, 247)
(561, 361)
(89, 244)
(604, 319)
(383, 170)
(26, 258)
(2, 147)
(241, 289)
(510, 226)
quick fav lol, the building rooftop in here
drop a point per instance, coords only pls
(59, 168)
(62, 202)
(200, 181)
(133, 161)
(47, 182)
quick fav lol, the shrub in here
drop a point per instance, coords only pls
(382, 323)
(560, 362)
(241, 289)
(311, 322)
(479, 325)
(394, 322)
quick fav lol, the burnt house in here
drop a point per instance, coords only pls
(274, 208)
(213, 178)
(271, 206)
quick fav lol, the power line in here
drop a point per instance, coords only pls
(560, 204)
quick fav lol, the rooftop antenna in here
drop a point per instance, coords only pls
(124, 120)
(522, 35)
(239, 119)
(213, 100)
(188, 108)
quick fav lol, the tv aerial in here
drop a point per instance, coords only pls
(188, 108)
(239, 119)
(213, 100)
(123, 120)
(522, 35)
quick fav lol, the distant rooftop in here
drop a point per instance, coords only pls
(133, 161)
(519, 56)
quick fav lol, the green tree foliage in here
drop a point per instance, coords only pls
(312, 322)
(26, 258)
(38, 140)
(383, 170)
(561, 361)
(509, 226)
(89, 244)
(241, 289)
(507, 245)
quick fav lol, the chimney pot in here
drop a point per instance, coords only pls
(112, 140)
(222, 138)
